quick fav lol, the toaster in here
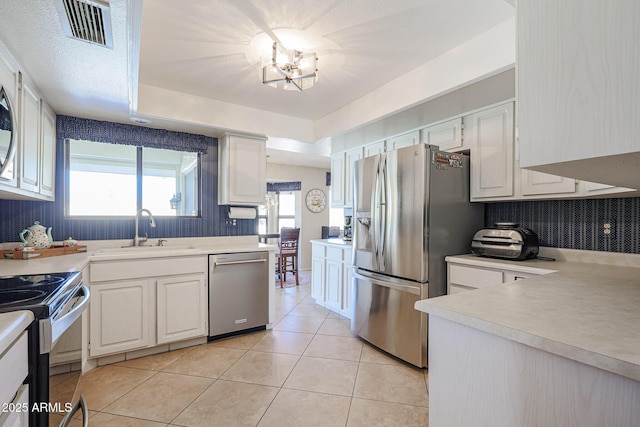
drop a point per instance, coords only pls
(505, 240)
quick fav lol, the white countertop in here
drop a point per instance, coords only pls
(334, 242)
(11, 326)
(111, 250)
(582, 309)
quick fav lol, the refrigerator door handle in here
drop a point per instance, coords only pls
(373, 228)
(383, 212)
(415, 290)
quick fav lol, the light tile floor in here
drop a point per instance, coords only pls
(308, 371)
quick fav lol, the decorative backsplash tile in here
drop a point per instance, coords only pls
(575, 224)
(15, 215)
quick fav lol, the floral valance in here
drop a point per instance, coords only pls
(68, 127)
(284, 186)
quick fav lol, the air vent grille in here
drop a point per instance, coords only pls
(86, 20)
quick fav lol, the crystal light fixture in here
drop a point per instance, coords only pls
(296, 70)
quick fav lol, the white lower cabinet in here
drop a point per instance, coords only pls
(119, 317)
(331, 277)
(182, 307)
(166, 302)
(462, 278)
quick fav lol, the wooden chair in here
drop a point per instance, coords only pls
(288, 256)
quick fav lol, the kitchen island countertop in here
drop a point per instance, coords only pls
(583, 307)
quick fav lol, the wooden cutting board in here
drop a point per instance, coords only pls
(43, 253)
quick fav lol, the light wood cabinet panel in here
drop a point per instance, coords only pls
(242, 170)
(338, 180)
(119, 317)
(29, 178)
(351, 157)
(404, 140)
(543, 183)
(181, 307)
(374, 148)
(577, 85)
(48, 153)
(447, 136)
(490, 134)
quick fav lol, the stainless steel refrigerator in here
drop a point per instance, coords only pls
(411, 209)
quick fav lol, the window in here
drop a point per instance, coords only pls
(286, 209)
(117, 180)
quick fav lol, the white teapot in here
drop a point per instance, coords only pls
(37, 236)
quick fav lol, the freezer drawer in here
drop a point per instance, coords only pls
(238, 292)
(384, 315)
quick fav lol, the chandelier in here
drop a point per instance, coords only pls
(296, 70)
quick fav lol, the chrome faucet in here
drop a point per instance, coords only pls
(137, 240)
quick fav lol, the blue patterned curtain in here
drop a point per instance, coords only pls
(284, 186)
(125, 134)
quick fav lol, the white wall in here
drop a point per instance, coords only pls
(310, 223)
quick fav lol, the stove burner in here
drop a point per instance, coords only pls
(19, 296)
(41, 279)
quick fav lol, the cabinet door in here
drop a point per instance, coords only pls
(491, 139)
(242, 171)
(374, 148)
(333, 293)
(181, 307)
(9, 79)
(119, 316)
(317, 279)
(347, 289)
(351, 157)
(337, 180)
(404, 140)
(537, 183)
(30, 139)
(48, 150)
(447, 135)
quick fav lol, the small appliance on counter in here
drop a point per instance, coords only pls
(506, 240)
(330, 232)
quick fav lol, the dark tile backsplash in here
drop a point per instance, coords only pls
(15, 215)
(575, 224)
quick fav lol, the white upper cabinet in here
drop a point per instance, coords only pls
(48, 151)
(32, 174)
(242, 170)
(30, 154)
(490, 135)
(374, 148)
(342, 166)
(534, 183)
(337, 180)
(577, 88)
(404, 140)
(447, 135)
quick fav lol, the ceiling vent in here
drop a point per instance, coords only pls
(86, 20)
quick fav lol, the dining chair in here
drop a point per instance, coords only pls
(288, 255)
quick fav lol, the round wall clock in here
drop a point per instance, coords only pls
(316, 200)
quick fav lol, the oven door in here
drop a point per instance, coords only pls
(52, 329)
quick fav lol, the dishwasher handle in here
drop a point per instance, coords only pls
(247, 261)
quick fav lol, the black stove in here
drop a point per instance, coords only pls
(56, 301)
(43, 294)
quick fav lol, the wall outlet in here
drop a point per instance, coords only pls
(606, 228)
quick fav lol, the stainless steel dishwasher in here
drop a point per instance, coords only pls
(238, 292)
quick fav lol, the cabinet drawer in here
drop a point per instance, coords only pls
(317, 250)
(13, 368)
(334, 254)
(473, 277)
(150, 267)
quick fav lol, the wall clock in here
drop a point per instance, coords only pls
(316, 200)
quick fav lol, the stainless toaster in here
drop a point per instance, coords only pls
(505, 240)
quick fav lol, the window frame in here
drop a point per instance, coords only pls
(139, 175)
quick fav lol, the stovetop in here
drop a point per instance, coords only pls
(40, 293)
